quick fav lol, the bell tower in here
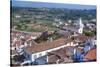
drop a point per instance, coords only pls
(80, 29)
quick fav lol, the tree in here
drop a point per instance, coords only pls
(89, 33)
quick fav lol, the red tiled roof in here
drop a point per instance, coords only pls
(17, 43)
(61, 54)
(13, 52)
(81, 38)
(52, 59)
(91, 55)
(47, 45)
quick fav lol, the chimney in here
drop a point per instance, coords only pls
(57, 62)
(74, 50)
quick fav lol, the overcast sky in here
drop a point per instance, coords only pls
(50, 5)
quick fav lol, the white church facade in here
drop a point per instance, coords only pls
(78, 28)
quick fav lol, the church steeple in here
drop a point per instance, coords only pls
(80, 22)
(80, 30)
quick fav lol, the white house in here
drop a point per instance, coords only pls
(42, 49)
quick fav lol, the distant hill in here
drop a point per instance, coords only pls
(62, 13)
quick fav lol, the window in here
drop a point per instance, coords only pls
(40, 54)
(35, 56)
(29, 56)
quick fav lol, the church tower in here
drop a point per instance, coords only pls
(80, 24)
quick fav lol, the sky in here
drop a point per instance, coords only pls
(50, 5)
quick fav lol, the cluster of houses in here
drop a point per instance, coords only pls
(69, 48)
(20, 39)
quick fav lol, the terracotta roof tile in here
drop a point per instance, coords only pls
(81, 38)
(13, 52)
(52, 59)
(47, 45)
(91, 55)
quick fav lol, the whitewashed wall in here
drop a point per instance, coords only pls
(43, 53)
